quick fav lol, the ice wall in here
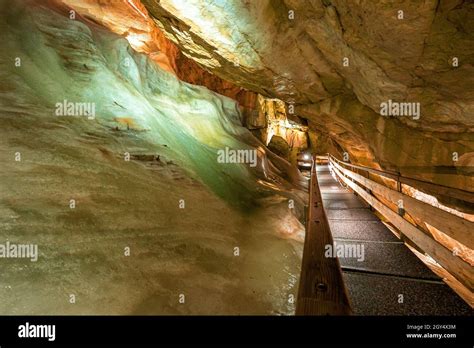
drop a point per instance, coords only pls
(48, 58)
(89, 64)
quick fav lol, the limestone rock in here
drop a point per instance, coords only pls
(279, 146)
(338, 61)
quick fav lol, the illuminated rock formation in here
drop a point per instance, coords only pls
(339, 61)
(110, 164)
(131, 20)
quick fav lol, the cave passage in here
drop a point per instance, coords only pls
(156, 158)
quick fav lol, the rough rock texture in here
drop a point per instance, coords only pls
(131, 20)
(279, 146)
(279, 125)
(295, 50)
(322, 144)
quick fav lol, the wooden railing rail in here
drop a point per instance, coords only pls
(453, 226)
(435, 189)
(321, 288)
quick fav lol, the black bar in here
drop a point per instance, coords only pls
(135, 330)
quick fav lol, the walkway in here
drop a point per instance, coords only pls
(390, 280)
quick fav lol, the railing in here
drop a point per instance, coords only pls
(321, 288)
(459, 229)
(421, 184)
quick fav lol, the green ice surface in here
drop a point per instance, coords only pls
(66, 60)
(134, 203)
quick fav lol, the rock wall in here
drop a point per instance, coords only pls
(266, 117)
(131, 19)
(338, 61)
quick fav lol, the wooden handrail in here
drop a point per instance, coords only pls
(387, 174)
(452, 225)
(321, 288)
(436, 189)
